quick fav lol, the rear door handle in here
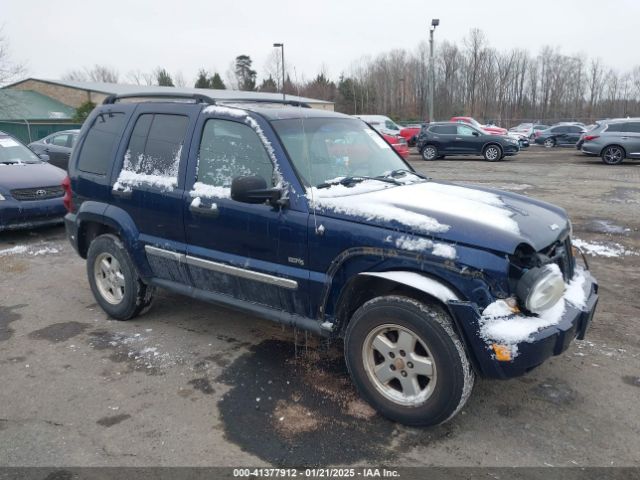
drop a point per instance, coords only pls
(205, 210)
(122, 193)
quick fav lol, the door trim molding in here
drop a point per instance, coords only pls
(222, 268)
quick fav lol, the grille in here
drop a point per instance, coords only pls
(563, 257)
(40, 193)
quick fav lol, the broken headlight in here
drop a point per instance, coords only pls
(540, 288)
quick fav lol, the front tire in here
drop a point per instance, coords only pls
(406, 360)
(114, 280)
(549, 143)
(429, 152)
(613, 155)
(492, 153)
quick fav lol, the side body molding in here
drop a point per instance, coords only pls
(419, 282)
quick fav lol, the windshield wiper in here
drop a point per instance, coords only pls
(349, 181)
(400, 172)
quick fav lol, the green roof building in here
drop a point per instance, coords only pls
(29, 115)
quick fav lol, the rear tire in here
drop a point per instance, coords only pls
(492, 153)
(114, 280)
(406, 360)
(613, 155)
(429, 152)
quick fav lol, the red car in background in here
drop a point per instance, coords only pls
(410, 133)
(489, 129)
(398, 143)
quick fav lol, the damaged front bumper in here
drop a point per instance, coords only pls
(545, 343)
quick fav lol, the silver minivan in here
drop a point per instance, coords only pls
(614, 141)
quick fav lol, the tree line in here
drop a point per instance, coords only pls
(471, 78)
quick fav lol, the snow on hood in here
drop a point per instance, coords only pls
(477, 216)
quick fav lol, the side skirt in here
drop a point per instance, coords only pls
(272, 314)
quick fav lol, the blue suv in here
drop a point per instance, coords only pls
(309, 218)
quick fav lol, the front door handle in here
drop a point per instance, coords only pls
(205, 210)
(122, 192)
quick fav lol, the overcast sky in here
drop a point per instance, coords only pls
(53, 37)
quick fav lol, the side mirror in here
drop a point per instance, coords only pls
(44, 157)
(253, 189)
(476, 134)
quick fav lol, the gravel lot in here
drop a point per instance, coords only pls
(193, 384)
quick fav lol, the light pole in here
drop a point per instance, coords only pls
(432, 77)
(281, 46)
(401, 97)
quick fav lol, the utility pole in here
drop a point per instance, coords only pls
(281, 46)
(432, 76)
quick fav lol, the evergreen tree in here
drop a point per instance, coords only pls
(83, 111)
(268, 85)
(245, 76)
(203, 80)
(163, 78)
(216, 82)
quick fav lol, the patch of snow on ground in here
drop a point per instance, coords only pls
(13, 250)
(596, 249)
(34, 250)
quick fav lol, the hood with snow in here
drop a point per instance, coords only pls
(477, 216)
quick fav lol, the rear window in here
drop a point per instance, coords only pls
(100, 142)
(154, 151)
(633, 127)
(615, 127)
(446, 129)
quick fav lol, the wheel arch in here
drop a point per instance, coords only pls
(367, 285)
(613, 145)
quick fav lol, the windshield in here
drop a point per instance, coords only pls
(324, 150)
(13, 152)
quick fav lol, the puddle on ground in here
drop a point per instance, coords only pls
(556, 391)
(7, 316)
(300, 409)
(630, 380)
(606, 226)
(59, 332)
(114, 420)
(624, 195)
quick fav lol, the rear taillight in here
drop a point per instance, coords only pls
(588, 138)
(67, 200)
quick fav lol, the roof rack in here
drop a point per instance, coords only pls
(293, 103)
(196, 97)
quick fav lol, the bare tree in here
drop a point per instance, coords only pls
(10, 70)
(97, 73)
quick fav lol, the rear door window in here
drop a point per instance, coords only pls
(100, 142)
(153, 155)
(632, 127)
(615, 127)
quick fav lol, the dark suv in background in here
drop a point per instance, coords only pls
(440, 139)
(309, 218)
(614, 140)
(560, 135)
